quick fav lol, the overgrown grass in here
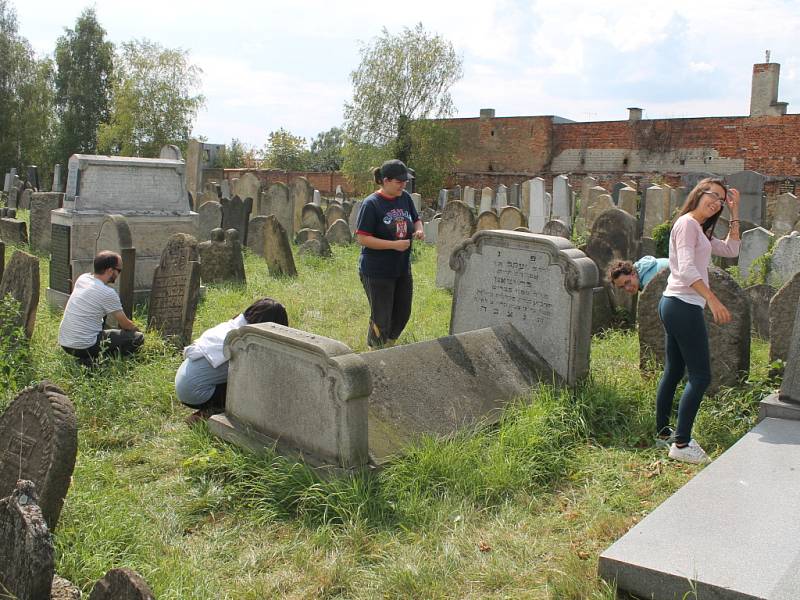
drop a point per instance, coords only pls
(521, 509)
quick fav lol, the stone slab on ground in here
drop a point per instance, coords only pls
(736, 524)
(773, 406)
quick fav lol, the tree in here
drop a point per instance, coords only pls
(85, 65)
(286, 151)
(326, 150)
(400, 79)
(152, 102)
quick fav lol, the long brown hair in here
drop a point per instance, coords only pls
(693, 199)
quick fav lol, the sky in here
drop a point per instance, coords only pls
(269, 64)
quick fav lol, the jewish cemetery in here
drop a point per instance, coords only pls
(427, 352)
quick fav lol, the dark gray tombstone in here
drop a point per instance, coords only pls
(26, 552)
(760, 296)
(121, 584)
(21, 280)
(60, 263)
(790, 387)
(729, 344)
(42, 203)
(782, 309)
(58, 183)
(39, 441)
(312, 217)
(277, 249)
(751, 199)
(613, 237)
(221, 258)
(339, 233)
(236, 215)
(689, 180)
(615, 192)
(175, 290)
(210, 217)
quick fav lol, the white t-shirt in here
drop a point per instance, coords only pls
(91, 300)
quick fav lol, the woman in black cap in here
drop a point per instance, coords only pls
(386, 225)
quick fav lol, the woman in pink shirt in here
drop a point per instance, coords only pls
(681, 310)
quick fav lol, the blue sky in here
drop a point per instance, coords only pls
(286, 64)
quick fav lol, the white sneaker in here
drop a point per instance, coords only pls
(692, 453)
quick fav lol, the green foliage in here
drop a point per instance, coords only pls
(359, 161)
(661, 237)
(152, 101)
(233, 156)
(15, 360)
(286, 151)
(432, 156)
(85, 62)
(326, 150)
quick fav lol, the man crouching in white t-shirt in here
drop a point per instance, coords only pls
(81, 333)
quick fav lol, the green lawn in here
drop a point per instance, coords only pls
(518, 511)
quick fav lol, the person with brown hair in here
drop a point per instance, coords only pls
(633, 276)
(691, 245)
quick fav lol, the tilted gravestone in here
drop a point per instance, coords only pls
(510, 218)
(486, 220)
(760, 296)
(316, 246)
(115, 235)
(729, 344)
(457, 225)
(300, 193)
(333, 214)
(275, 201)
(236, 215)
(785, 261)
(313, 218)
(221, 258)
(558, 228)
(782, 308)
(26, 553)
(339, 233)
(121, 584)
(39, 441)
(210, 217)
(41, 205)
(790, 386)
(175, 290)
(540, 284)
(277, 249)
(21, 280)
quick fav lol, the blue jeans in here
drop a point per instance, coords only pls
(686, 349)
(196, 381)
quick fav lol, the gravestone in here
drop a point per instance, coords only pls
(353, 218)
(510, 218)
(627, 200)
(13, 196)
(333, 214)
(209, 195)
(729, 344)
(601, 204)
(221, 258)
(277, 249)
(487, 220)
(656, 209)
(236, 215)
(539, 211)
(755, 242)
(171, 152)
(115, 235)
(249, 186)
(7, 183)
(339, 233)
(41, 205)
(175, 290)
(347, 206)
(306, 234)
(33, 178)
(501, 199)
(26, 553)
(24, 201)
(210, 218)
(304, 393)
(487, 200)
(416, 199)
(300, 193)
(339, 191)
(760, 296)
(275, 201)
(785, 260)
(313, 218)
(786, 213)
(782, 309)
(255, 235)
(121, 584)
(21, 280)
(558, 228)
(442, 202)
(790, 386)
(224, 190)
(587, 183)
(457, 225)
(317, 198)
(469, 197)
(39, 442)
(13, 230)
(562, 199)
(615, 192)
(316, 247)
(431, 229)
(751, 195)
(540, 284)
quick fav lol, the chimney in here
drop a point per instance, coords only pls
(634, 114)
(487, 113)
(764, 93)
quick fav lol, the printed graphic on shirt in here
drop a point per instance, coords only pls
(401, 219)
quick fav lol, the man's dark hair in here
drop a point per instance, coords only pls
(106, 260)
(266, 310)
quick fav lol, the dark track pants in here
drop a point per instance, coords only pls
(109, 341)
(390, 307)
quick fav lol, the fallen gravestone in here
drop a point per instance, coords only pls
(277, 249)
(221, 258)
(121, 584)
(782, 309)
(39, 441)
(21, 280)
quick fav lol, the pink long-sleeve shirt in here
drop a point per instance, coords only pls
(689, 256)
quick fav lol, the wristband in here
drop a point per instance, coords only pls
(733, 221)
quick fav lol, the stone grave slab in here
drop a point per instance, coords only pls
(221, 258)
(790, 386)
(121, 584)
(487, 200)
(41, 205)
(785, 260)
(736, 543)
(755, 242)
(457, 225)
(339, 233)
(510, 218)
(562, 199)
(628, 199)
(540, 284)
(316, 247)
(210, 218)
(255, 234)
(333, 214)
(539, 211)
(656, 208)
(275, 201)
(24, 200)
(13, 230)
(313, 218)
(751, 195)
(786, 213)
(236, 215)
(249, 186)
(431, 229)
(301, 192)
(277, 249)
(558, 228)
(782, 309)
(21, 280)
(39, 442)
(487, 220)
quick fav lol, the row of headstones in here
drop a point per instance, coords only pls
(39, 443)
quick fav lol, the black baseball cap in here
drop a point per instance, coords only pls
(395, 169)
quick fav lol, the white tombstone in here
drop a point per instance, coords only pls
(656, 209)
(417, 200)
(627, 200)
(487, 199)
(539, 213)
(562, 199)
(501, 199)
(755, 243)
(785, 260)
(469, 196)
(317, 199)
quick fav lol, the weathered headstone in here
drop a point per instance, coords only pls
(21, 280)
(615, 192)
(255, 234)
(353, 218)
(627, 200)
(442, 202)
(277, 249)
(540, 284)
(333, 214)
(175, 290)
(501, 199)
(33, 178)
(562, 199)
(171, 152)
(601, 203)
(558, 228)
(236, 215)
(339, 233)
(751, 195)
(39, 441)
(301, 193)
(785, 260)
(24, 201)
(249, 186)
(539, 211)
(587, 183)
(318, 246)
(26, 552)
(656, 208)
(469, 197)
(221, 258)
(121, 584)
(790, 386)
(306, 234)
(457, 225)
(210, 213)
(786, 213)
(487, 220)
(13, 230)
(313, 218)
(729, 344)
(115, 235)
(431, 229)
(782, 309)
(760, 296)
(487, 200)
(510, 218)
(755, 243)
(13, 197)
(41, 205)
(317, 198)
(339, 191)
